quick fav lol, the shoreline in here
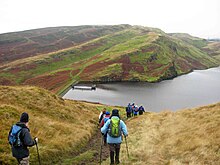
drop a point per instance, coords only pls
(66, 89)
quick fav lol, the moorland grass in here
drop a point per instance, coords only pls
(189, 136)
(62, 126)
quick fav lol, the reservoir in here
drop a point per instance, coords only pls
(198, 88)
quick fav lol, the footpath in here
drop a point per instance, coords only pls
(90, 154)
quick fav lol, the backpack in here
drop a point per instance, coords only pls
(136, 109)
(14, 137)
(106, 119)
(115, 130)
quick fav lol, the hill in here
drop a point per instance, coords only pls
(117, 53)
(18, 45)
(63, 127)
(189, 136)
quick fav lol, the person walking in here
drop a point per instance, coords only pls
(102, 115)
(135, 110)
(104, 120)
(128, 110)
(114, 128)
(20, 150)
(141, 110)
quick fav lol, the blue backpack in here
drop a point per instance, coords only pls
(14, 137)
(106, 119)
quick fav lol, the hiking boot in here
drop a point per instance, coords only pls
(117, 161)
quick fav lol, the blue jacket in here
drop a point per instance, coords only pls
(115, 140)
(141, 108)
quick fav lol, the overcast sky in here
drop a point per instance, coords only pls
(199, 18)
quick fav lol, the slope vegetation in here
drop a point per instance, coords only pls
(28, 43)
(120, 53)
(63, 127)
(188, 136)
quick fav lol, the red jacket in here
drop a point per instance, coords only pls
(103, 120)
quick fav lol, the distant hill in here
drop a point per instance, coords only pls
(101, 54)
(18, 45)
(214, 39)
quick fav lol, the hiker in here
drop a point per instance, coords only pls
(128, 110)
(135, 110)
(132, 109)
(141, 110)
(19, 149)
(102, 115)
(114, 128)
(104, 120)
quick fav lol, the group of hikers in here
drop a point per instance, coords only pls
(111, 127)
(134, 110)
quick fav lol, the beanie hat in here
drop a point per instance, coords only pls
(107, 113)
(24, 117)
(115, 112)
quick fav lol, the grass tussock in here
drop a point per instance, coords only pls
(176, 138)
(62, 126)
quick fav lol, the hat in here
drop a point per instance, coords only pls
(107, 113)
(115, 112)
(24, 117)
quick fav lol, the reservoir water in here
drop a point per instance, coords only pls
(201, 87)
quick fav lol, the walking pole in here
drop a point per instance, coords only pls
(101, 149)
(38, 153)
(126, 146)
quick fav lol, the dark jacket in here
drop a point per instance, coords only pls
(26, 140)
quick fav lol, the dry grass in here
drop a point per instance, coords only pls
(62, 126)
(181, 138)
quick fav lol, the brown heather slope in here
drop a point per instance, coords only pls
(19, 45)
(190, 136)
(63, 127)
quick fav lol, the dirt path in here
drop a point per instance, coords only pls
(90, 154)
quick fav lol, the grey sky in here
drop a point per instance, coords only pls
(197, 17)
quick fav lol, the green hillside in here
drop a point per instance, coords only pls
(120, 53)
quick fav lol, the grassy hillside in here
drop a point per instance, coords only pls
(190, 136)
(19, 45)
(63, 127)
(124, 53)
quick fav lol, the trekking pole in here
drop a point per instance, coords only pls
(38, 154)
(126, 146)
(101, 149)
